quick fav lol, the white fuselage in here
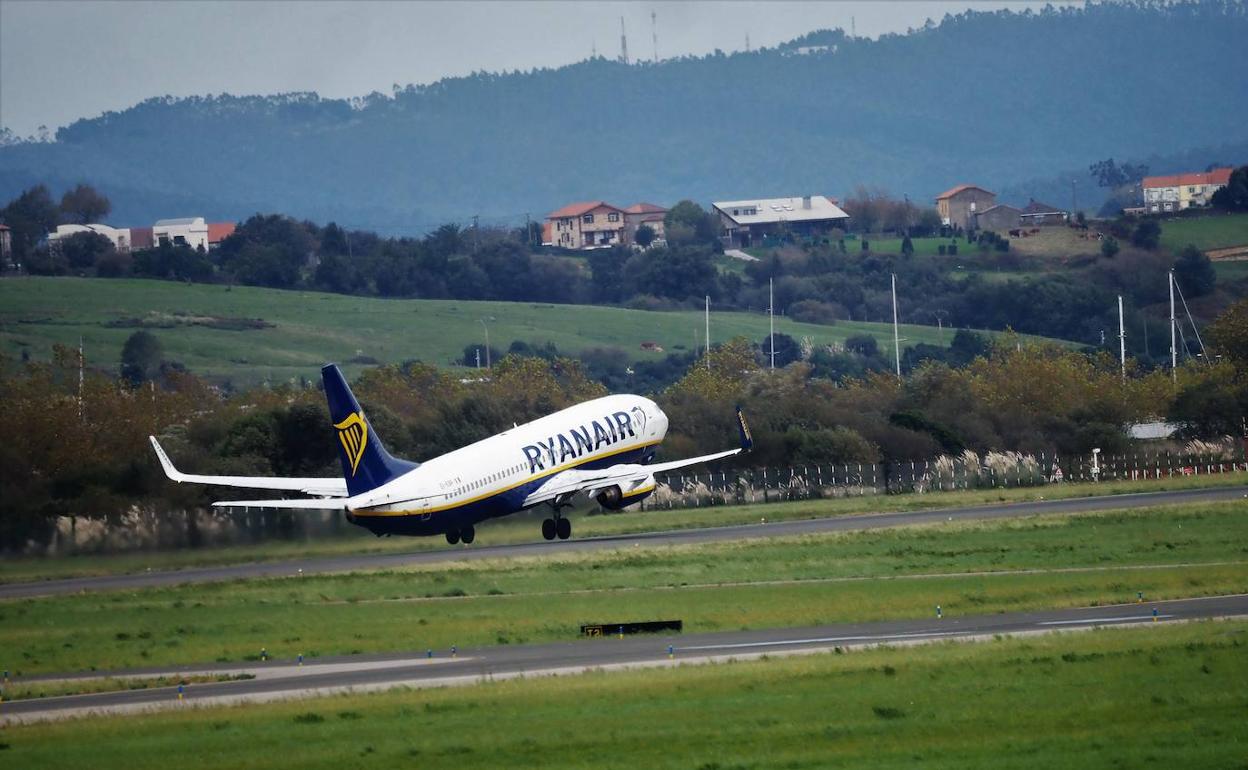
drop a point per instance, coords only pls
(493, 477)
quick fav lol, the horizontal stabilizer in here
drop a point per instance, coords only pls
(322, 487)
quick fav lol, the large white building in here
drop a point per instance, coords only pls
(188, 231)
(745, 223)
(119, 237)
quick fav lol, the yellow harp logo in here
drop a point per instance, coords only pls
(353, 433)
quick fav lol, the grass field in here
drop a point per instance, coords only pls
(1165, 695)
(209, 328)
(1217, 231)
(525, 527)
(977, 568)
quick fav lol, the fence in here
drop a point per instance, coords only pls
(966, 471)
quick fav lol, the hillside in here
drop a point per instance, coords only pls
(995, 98)
(252, 334)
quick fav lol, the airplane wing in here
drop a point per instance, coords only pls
(313, 504)
(320, 487)
(629, 477)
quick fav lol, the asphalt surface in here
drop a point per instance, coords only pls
(852, 523)
(281, 679)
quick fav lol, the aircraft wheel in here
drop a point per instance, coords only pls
(563, 528)
(452, 537)
(467, 534)
(548, 529)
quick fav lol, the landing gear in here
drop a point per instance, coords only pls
(467, 534)
(557, 527)
(452, 536)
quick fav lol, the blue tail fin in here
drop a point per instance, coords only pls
(366, 464)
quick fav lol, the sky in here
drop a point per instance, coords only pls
(61, 61)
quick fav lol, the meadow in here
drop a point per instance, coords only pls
(1217, 231)
(250, 334)
(971, 568)
(525, 527)
(1167, 695)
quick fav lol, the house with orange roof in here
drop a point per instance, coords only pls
(958, 206)
(1177, 192)
(219, 231)
(640, 214)
(587, 225)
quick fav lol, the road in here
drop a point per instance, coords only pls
(671, 537)
(283, 679)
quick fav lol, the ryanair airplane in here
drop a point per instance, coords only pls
(602, 449)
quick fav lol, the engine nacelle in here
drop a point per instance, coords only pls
(614, 498)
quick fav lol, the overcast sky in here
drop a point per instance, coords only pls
(64, 60)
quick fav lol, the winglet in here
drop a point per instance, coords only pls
(165, 462)
(747, 441)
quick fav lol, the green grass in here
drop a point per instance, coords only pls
(524, 527)
(1169, 695)
(58, 687)
(1231, 271)
(885, 574)
(1217, 231)
(308, 328)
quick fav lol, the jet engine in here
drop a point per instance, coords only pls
(614, 498)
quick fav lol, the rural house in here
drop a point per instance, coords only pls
(998, 218)
(588, 225)
(643, 214)
(746, 223)
(958, 206)
(1182, 191)
(1037, 214)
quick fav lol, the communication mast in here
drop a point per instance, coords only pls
(623, 43)
(654, 35)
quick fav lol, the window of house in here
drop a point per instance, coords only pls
(588, 219)
(613, 217)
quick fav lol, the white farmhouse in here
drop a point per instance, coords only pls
(119, 237)
(188, 231)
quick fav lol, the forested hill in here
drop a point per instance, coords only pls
(994, 98)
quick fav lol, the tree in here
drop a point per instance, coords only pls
(1195, 272)
(1147, 234)
(863, 345)
(1107, 173)
(141, 357)
(907, 247)
(787, 350)
(1234, 196)
(84, 204)
(644, 236)
(30, 216)
(1109, 248)
(1229, 333)
(83, 250)
(687, 221)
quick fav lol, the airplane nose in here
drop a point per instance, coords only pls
(660, 422)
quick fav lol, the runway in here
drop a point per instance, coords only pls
(849, 523)
(282, 679)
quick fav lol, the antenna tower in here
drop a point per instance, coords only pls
(623, 43)
(654, 35)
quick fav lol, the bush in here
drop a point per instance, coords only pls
(953, 249)
(941, 249)
(1109, 248)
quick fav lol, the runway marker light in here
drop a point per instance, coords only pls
(671, 652)
(1139, 597)
(621, 632)
(429, 653)
(301, 658)
(181, 689)
(939, 614)
(264, 655)
(1154, 614)
(454, 650)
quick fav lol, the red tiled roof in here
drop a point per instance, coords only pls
(219, 231)
(952, 191)
(1217, 176)
(645, 208)
(576, 209)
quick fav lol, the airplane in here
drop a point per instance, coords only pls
(602, 449)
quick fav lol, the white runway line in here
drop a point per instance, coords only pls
(1085, 621)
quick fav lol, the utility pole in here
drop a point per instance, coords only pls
(1122, 341)
(1074, 202)
(708, 333)
(1174, 351)
(623, 43)
(896, 338)
(771, 317)
(487, 345)
(82, 362)
(528, 230)
(475, 217)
